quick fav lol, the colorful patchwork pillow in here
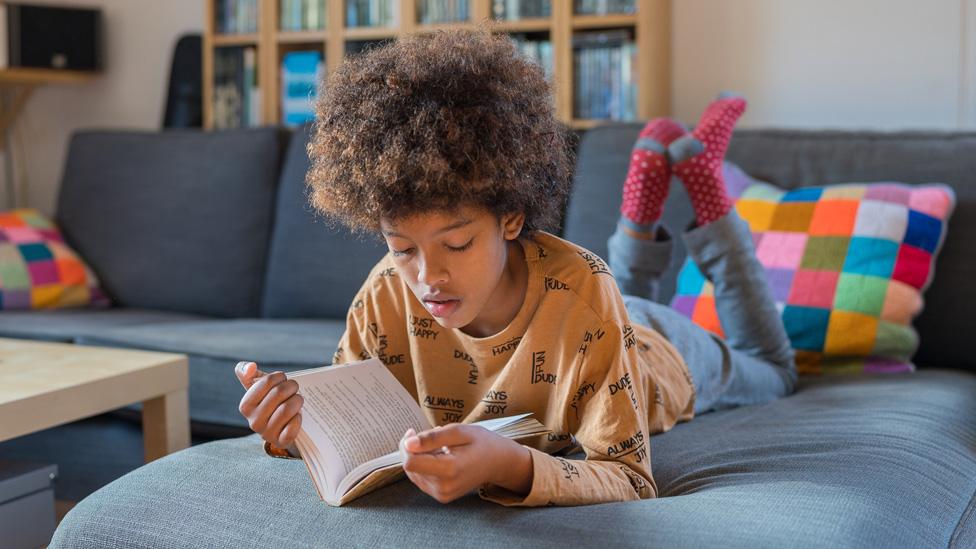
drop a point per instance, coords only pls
(847, 265)
(38, 270)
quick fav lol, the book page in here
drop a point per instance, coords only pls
(354, 413)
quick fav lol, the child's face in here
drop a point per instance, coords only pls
(459, 265)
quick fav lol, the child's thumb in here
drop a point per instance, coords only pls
(246, 373)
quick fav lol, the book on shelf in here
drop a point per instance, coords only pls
(353, 418)
(236, 16)
(539, 51)
(605, 75)
(372, 13)
(511, 10)
(301, 71)
(442, 11)
(236, 95)
(605, 7)
(301, 15)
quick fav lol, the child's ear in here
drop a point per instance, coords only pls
(512, 224)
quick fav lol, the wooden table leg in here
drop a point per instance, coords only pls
(166, 424)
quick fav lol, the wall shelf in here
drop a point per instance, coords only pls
(649, 29)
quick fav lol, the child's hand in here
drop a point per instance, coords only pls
(474, 456)
(271, 404)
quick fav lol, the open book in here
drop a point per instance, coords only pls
(352, 420)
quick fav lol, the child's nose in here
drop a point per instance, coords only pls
(431, 273)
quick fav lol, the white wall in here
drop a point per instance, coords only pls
(139, 39)
(881, 64)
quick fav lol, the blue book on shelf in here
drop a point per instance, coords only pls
(301, 71)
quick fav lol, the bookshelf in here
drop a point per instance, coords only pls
(590, 54)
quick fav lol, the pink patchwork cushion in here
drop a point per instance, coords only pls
(38, 270)
(847, 265)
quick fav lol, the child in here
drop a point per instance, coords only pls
(448, 147)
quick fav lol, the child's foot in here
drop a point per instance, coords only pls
(649, 175)
(697, 158)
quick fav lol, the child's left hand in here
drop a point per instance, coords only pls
(474, 456)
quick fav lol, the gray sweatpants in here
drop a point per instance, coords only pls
(754, 364)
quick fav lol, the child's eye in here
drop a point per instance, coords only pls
(398, 253)
(461, 248)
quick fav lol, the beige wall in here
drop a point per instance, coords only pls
(882, 64)
(139, 40)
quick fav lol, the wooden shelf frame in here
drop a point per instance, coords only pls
(651, 26)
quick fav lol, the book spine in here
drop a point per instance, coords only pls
(239, 85)
(617, 111)
(248, 56)
(4, 37)
(577, 94)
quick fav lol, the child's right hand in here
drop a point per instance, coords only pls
(271, 404)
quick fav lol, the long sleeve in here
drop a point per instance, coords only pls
(609, 423)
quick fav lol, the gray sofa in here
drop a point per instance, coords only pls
(204, 241)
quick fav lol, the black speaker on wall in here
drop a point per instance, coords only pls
(50, 37)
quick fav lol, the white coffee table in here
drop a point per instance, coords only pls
(45, 384)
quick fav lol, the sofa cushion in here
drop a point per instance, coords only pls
(791, 158)
(38, 270)
(215, 346)
(852, 462)
(66, 325)
(314, 269)
(176, 220)
(846, 265)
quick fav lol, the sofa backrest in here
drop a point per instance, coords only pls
(174, 220)
(314, 269)
(793, 158)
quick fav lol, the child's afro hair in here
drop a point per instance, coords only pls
(431, 122)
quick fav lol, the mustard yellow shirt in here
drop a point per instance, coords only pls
(570, 356)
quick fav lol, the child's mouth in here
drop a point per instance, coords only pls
(441, 308)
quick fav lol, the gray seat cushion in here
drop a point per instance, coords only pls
(883, 461)
(314, 269)
(793, 158)
(215, 346)
(130, 205)
(65, 325)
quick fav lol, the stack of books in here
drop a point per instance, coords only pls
(237, 16)
(442, 11)
(518, 9)
(372, 13)
(299, 15)
(301, 72)
(237, 99)
(603, 7)
(605, 69)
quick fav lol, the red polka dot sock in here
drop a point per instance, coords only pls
(696, 159)
(649, 175)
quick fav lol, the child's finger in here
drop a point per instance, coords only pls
(429, 465)
(247, 373)
(434, 439)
